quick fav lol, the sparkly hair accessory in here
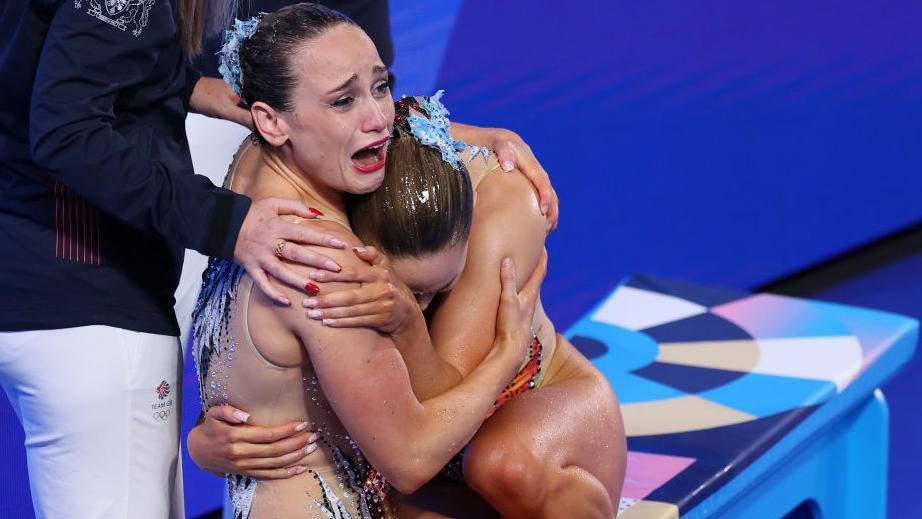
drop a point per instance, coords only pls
(229, 59)
(432, 129)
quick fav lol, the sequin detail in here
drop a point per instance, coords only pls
(241, 490)
(229, 55)
(214, 345)
(427, 119)
(358, 490)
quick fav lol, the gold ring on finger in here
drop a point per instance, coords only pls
(280, 248)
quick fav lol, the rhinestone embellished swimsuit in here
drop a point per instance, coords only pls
(340, 482)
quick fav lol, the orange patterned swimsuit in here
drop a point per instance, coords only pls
(525, 379)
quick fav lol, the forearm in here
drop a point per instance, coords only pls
(185, 209)
(441, 427)
(430, 374)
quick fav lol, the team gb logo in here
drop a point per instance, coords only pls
(120, 14)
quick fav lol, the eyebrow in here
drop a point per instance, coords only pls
(345, 84)
(377, 69)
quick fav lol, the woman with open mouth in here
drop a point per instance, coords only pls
(318, 94)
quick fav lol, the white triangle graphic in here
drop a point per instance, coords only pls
(636, 309)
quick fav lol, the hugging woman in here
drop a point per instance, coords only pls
(392, 406)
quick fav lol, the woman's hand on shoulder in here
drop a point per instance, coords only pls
(512, 152)
(381, 301)
(223, 443)
(266, 238)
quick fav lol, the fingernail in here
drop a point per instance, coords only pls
(331, 265)
(315, 211)
(507, 263)
(241, 416)
(313, 438)
(315, 314)
(337, 243)
(297, 470)
(544, 209)
(309, 303)
(508, 165)
(311, 289)
(329, 322)
(284, 301)
(360, 250)
(301, 426)
(318, 275)
(310, 448)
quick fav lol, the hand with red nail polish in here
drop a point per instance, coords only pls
(268, 240)
(381, 301)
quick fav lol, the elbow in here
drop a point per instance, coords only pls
(55, 144)
(409, 476)
(408, 483)
(46, 147)
(41, 150)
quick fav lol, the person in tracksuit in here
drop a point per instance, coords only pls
(98, 201)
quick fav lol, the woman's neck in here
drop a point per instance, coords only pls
(284, 175)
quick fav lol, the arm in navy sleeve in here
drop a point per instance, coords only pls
(85, 66)
(192, 77)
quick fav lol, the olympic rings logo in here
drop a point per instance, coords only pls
(161, 415)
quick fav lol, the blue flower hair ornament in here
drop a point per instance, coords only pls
(229, 55)
(427, 119)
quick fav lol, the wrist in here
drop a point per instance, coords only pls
(506, 351)
(412, 329)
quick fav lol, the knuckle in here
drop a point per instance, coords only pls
(232, 436)
(234, 452)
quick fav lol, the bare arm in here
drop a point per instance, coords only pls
(507, 223)
(366, 382)
(383, 302)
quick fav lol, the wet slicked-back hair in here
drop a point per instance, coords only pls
(423, 206)
(265, 57)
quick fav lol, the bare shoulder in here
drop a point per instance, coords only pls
(507, 222)
(507, 203)
(293, 317)
(508, 193)
(244, 166)
(346, 257)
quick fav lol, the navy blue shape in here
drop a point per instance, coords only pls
(690, 379)
(705, 296)
(702, 327)
(589, 347)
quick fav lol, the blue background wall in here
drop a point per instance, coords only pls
(715, 141)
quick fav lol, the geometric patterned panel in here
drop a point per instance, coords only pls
(717, 376)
